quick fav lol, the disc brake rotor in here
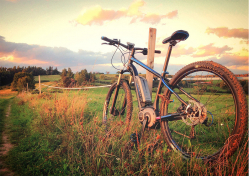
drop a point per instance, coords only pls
(197, 115)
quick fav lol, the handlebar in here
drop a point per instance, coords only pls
(115, 41)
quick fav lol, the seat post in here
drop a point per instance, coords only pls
(167, 59)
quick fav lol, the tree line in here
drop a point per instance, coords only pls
(7, 74)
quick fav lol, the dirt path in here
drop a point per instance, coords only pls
(5, 149)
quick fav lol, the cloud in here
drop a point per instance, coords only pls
(244, 42)
(202, 51)
(181, 50)
(237, 62)
(229, 33)
(231, 60)
(12, 0)
(155, 18)
(97, 15)
(210, 50)
(24, 55)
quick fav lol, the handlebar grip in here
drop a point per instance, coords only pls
(106, 39)
(158, 51)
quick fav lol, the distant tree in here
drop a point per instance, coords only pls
(55, 71)
(70, 73)
(64, 73)
(20, 81)
(84, 77)
(92, 77)
(66, 81)
(78, 78)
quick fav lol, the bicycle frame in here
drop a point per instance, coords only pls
(163, 81)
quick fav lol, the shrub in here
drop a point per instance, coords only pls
(20, 81)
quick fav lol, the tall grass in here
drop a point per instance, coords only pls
(62, 134)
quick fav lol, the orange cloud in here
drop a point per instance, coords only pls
(244, 42)
(210, 50)
(12, 0)
(155, 18)
(181, 50)
(98, 15)
(228, 33)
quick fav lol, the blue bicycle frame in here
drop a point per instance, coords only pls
(163, 81)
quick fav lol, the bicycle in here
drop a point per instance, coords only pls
(202, 112)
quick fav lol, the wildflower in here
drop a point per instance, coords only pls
(158, 136)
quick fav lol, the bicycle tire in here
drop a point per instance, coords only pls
(209, 144)
(120, 120)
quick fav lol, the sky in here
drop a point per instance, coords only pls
(67, 33)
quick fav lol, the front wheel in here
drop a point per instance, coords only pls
(120, 119)
(218, 123)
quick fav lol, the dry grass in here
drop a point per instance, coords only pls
(78, 144)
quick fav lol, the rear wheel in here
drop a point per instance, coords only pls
(119, 120)
(216, 128)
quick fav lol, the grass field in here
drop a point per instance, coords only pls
(47, 78)
(62, 134)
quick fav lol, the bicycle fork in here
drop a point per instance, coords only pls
(113, 110)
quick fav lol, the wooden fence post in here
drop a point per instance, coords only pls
(39, 84)
(150, 57)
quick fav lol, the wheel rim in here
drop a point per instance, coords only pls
(216, 94)
(116, 123)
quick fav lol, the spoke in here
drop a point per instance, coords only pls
(201, 87)
(216, 98)
(181, 134)
(222, 108)
(211, 95)
(212, 100)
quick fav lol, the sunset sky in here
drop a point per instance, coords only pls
(67, 33)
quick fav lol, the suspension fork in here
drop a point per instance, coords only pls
(124, 100)
(112, 109)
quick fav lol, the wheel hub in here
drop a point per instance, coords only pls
(196, 113)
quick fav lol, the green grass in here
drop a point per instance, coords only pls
(62, 134)
(48, 78)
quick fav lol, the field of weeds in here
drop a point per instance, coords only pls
(62, 134)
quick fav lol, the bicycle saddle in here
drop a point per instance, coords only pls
(177, 35)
